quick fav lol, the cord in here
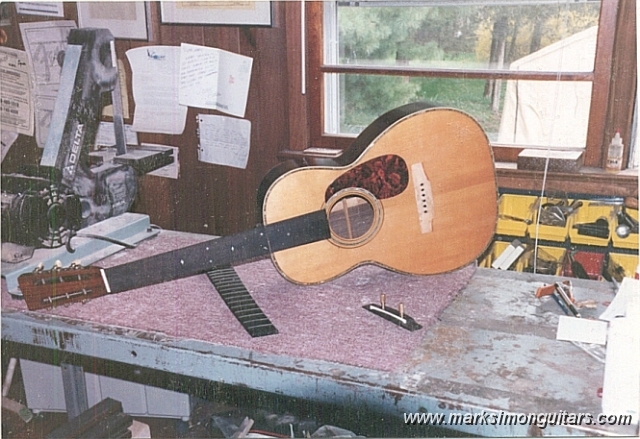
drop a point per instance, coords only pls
(73, 234)
(546, 165)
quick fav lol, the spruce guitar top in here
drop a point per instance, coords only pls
(415, 193)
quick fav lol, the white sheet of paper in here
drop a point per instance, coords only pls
(224, 140)
(618, 306)
(582, 330)
(16, 112)
(155, 89)
(52, 9)
(106, 135)
(621, 384)
(214, 78)
(43, 42)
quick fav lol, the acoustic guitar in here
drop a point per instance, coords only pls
(415, 193)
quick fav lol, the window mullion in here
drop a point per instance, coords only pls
(331, 80)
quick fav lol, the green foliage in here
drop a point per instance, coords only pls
(448, 37)
(368, 96)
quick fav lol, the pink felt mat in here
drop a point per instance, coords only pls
(322, 322)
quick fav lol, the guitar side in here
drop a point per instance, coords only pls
(444, 148)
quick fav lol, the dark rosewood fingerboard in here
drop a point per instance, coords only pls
(239, 300)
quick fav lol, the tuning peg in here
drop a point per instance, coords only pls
(39, 268)
(75, 265)
(57, 265)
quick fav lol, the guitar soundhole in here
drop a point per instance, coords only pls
(354, 217)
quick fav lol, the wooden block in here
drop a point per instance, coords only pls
(559, 161)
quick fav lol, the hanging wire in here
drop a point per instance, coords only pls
(548, 149)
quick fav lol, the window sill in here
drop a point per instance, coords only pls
(589, 181)
(593, 181)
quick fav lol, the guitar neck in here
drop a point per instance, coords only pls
(228, 250)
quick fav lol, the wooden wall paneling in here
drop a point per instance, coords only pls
(234, 190)
(12, 31)
(220, 179)
(271, 105)
(182, 206)
(298, 122)
(156, 196)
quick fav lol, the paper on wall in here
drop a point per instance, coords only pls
(224, 140)
(214, 78)
(155, 89)
(45, 43)
(106, 135)
(54, 9)
(16, 112)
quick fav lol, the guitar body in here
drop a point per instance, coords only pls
(418, 196)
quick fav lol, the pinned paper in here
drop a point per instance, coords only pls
(106, 135)
(224, 140)
(155, 90)
(15, 94)
(45, 43)
(214, 79)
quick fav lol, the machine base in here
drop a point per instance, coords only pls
(128, 227)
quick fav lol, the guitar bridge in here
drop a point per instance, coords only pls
(397, 317)
(424, 197)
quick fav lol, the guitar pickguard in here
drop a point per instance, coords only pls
(384, 177)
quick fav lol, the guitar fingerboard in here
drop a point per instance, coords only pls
(239, 300)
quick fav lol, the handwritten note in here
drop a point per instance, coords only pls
(224, 140)
(214, 79)
(155, 90)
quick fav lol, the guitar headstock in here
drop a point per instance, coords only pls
(60, 286)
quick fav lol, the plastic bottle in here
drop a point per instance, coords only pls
(614, 156)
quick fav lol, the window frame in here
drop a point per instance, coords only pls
(611, 108)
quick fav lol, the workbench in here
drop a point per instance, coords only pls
(487, 347)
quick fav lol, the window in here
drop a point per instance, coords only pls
(549, 37)
(534, 73)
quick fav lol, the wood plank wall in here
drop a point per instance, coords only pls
(206, 198)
